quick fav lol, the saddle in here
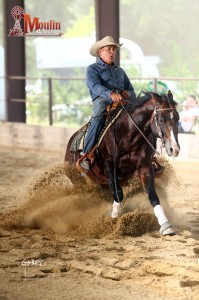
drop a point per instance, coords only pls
(113, 112)
(115, 105)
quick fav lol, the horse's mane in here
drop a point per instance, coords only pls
(140, 100)
(144, 96)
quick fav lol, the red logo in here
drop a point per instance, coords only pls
(32, 27)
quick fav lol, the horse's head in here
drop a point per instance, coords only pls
(165, 122)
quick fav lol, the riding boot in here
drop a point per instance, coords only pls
(82, 164)
(85, 165)
(87, 159)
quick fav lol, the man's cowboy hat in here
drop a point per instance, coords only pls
(107, 41)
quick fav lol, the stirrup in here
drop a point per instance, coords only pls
(82, 164)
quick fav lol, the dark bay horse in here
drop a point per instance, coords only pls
(128, 147)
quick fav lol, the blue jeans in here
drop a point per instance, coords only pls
(97, 123)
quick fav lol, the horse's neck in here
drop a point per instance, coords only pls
(143, 115)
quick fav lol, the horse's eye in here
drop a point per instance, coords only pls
(161, 120)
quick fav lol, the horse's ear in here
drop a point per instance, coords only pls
(170, 95)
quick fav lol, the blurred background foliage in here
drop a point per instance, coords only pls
(159, 27)
(167, 29)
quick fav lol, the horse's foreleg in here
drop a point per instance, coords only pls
(113, 182)
(116, 189)
(148, 183)
(147, 179)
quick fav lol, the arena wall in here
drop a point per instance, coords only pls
(32, 136)
(56, 139)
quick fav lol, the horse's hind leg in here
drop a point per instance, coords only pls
(118, 197)
(147, 179)
(117, 192)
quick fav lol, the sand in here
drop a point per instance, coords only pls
(59, 242)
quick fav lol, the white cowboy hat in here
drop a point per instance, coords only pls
(107, 41)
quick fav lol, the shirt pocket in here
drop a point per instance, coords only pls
(105, 75)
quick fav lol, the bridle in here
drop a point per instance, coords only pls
(157, 124)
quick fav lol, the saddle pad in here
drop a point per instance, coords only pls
(75, 145)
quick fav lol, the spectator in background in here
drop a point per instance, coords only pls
(189, 115)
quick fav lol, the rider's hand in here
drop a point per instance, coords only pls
(125, 94)
(116, 97)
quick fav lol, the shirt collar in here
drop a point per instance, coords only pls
(101, 62)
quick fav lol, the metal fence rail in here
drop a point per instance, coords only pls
(49, 99)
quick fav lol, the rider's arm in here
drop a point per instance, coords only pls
(95, 85)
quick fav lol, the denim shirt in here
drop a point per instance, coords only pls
(102, 79)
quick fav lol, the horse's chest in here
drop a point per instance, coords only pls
(127, 164)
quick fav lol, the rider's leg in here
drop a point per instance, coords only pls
(97, 123)
(96, 126)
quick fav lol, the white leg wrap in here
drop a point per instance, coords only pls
(159, 213)
(116, 203)
(116, 210)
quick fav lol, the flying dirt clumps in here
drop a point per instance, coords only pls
(59, 200)
(130, 224)
(135, 223)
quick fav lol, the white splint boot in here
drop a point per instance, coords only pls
(116, 210)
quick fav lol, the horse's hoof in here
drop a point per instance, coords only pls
(167, 229)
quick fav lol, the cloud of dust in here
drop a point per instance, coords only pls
(59, 200)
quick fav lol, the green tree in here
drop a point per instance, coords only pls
(156, 24)
(85, 26)
(177, 65)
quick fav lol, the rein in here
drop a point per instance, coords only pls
(139, 130)
(156, 110)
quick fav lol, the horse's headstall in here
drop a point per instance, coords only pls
(170, 109)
